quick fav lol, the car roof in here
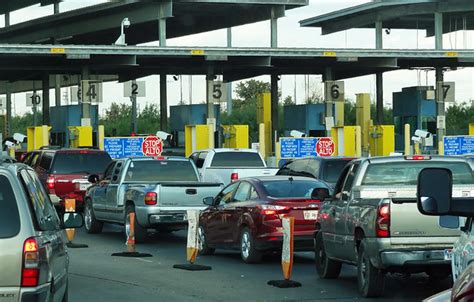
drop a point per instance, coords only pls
(148, 158)
(389, 159)
(220, 150)
(279, 178)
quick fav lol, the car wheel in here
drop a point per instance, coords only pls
(247, 247)
(92, 225)
(326, 267)
(204, 249)
(140, 232)
(370, 280)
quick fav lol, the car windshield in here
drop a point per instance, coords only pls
(156, 170)
(80, 163)
(292, 188)
(406, 173)
(332, 169)
(237, 159)
(9, 216)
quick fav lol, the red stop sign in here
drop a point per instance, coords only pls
(152, 146)
(325, 147)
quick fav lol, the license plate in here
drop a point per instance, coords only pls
(310, 215)
(84, 187)
(448, 254)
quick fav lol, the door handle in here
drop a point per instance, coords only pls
(191, 191)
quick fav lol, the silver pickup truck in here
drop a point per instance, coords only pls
(373, 222)
(158, 191)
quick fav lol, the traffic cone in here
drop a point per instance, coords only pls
(192, 247)
(70, 206)
(131, 250)
(288, 224)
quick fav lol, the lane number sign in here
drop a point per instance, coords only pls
(134, 89)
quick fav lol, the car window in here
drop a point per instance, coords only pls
(285, 170)
(83, 162)
(253, 194)
(9, 216)
(237, 159)
(298, 168)
(349, 181)
(225, 196)
(46, 218)
(34, 159)
(292, 188)
(161, 170)
(313, 167)
(46, 160)
(340, 181)
(332, 169)
(200, 159)
(108, 171)
(242, 193)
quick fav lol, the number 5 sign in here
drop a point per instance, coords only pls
(335, 91)
(134, 89)
(216, 91)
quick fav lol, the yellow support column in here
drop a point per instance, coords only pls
(264, 115)
(262, 141)
(339, 114)
(358, 141)
(101, 136)
(363, 119)
(471, 129)
(407, 139)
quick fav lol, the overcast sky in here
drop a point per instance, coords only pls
(290, 35)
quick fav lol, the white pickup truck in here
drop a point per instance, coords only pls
(227, 165)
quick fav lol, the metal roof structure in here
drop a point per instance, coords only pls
(12, 5)
(31, 62)
(398, 14)
(100, 24)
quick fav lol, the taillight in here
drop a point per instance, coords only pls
(30, 271)
(270, 211)
(417, 157)
(234, 177)
(382, 227)
(151, 198)
(50, 182)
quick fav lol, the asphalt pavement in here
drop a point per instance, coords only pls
(94, 275)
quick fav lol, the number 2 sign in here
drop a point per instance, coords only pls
(134, 89)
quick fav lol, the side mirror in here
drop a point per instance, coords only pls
(93, 178)
(209, 201)
(72, 220)
(434, 191)
(449, 222)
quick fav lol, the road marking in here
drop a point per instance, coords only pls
(144, 260)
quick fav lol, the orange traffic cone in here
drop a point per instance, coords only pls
(288, 224)
(70, 206)
(131, 250)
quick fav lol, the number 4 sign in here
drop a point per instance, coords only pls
(90, 92)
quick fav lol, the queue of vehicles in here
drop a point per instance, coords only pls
(365, 217)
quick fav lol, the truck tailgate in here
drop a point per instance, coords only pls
(189, 194)
(407, 225)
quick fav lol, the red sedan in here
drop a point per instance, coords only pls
(246, 215)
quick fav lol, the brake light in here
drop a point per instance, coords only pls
(382, 227)
(417, 157)
(30, 271)
(151, 198)
(234, 177)
(50, 182)
(271, 211)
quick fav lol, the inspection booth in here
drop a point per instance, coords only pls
(415, 106)
(308, 118)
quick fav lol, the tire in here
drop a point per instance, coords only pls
(204, 249)
(247, 247)
(326, 267)
(91, 224)
(370, 280)
(140, 232)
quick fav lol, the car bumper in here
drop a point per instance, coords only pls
(150, 217)
(300, 243)
(413, 258)
(36, 294)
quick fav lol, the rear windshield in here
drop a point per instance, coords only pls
(406, 173)
(292, 189)
(161, 171)
(332, 169)
(9, 216)
(80, 163)
(237, 159)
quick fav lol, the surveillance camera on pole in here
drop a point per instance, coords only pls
(121, 40)
(163, 135)
(297, 134)
(20, 138)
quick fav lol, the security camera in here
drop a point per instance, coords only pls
(10, 144)
(422, 133)
(19, 137)
(163, 135)
(126, 23)
(416, 139)
(296, 133)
